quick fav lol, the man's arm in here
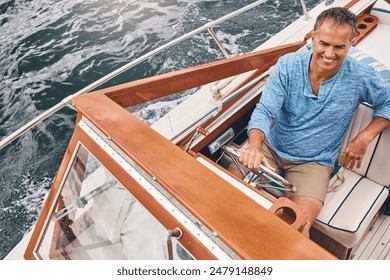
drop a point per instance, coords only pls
(357, 148)
(252, 156)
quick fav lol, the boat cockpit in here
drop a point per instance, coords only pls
(176, 189)
(124, 191)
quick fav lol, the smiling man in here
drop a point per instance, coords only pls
(310, 99)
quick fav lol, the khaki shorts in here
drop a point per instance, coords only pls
(309, 178)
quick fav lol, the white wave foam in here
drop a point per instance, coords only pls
(153, 112)
(32, 195)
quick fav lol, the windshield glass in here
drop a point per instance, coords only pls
(95, 217)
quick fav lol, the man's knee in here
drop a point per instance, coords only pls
(311, 205)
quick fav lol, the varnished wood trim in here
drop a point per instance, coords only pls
(162, 215)
(220, 128)
(152, 88)
(291, 213)
(350, 4)
(29, 254)
(246, 227)
(365, 28)
(300, 222)
(154, 207)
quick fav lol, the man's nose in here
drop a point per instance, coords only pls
(329, 52)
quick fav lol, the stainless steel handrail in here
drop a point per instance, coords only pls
(67, 101)
(305, 12)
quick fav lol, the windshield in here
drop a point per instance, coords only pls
(95, 217)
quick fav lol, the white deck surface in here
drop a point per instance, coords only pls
(376, 245)
(377, 44)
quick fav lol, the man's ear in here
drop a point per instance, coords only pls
(353, 42)
(309, 35)
(312, 33)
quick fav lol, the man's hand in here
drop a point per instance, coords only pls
(252, 156)
(354, 153)
(357, 148)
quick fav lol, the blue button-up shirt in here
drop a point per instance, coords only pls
(309, 127)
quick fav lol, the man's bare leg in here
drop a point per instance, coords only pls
(312, 207)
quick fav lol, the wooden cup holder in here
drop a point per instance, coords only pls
(366, 24)
(291, 213)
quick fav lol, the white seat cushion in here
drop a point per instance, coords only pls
(360, 120)
(348, 212)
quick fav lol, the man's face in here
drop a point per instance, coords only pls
(330, 46)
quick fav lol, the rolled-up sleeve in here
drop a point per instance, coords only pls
(378, 95)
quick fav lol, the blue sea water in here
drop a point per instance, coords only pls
(50, 49)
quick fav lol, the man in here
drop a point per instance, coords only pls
(310, 99)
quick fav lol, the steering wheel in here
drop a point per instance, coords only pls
(253, 176)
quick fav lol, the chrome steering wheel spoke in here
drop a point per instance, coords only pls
(262, 175)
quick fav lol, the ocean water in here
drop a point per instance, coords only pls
(50, 49)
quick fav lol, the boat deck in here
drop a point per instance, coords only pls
(375, 246)
(380, 34)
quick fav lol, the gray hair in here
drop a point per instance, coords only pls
(339, 16)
